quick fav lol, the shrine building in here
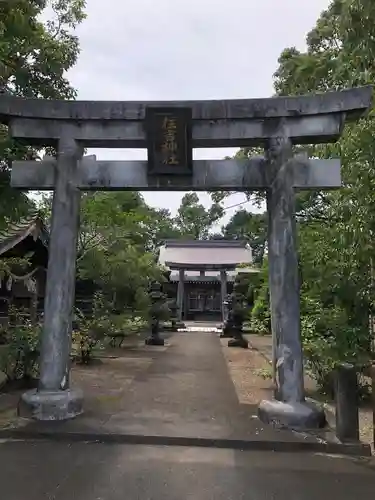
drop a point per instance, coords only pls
(203, 273)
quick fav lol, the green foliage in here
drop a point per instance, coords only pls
(264, 373)
(87, 338)
(245, 286)
(116, 251)
(260, 318)
(20, 355)
(163, 312)
(328, 339)
(125, 325)
(34, 58)
(251, 227)
(336, 229)
(91, 332)
(193, 220)
(340, 51)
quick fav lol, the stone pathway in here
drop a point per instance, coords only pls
(201, 327)
(182, 390)
(178, 394)
(206, 329)
(92, 471)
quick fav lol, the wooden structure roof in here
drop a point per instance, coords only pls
(31, 227)
(207, 255)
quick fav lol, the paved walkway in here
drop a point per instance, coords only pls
(179, 394)
(184, 391)
(82, 471)
(181, 390)
(203, 326)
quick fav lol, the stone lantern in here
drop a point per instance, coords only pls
(159, 311)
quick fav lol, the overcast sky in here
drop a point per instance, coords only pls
(185, 49)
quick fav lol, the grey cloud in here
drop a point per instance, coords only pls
(188, 48)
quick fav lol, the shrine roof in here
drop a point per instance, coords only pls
(16, 232)
(205, 254)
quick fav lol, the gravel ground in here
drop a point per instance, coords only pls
(246, 367)
(248, 370)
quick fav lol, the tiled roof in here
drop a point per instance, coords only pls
(213, 253)
(18, 231)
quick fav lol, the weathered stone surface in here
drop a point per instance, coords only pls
(51, 405)
(240, 175)
(205, 133)
(283, 270)
(159, 311)
(292, 415)
(352, 102)
(60, 287)
(347, 403)
(238, 342)
(3, 379)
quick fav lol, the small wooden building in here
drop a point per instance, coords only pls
(203, 273)
(24, 286)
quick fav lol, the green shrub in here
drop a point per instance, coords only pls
(124, 324)
(264, 373)
(329, 339)
(20, 356)
(90, 332)
(84, 345)
(121, 326)
(87, 337)
(260, 319)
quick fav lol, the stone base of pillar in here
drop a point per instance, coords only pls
(154, 341)
(51, 405)
(238, 342)
(301, 416)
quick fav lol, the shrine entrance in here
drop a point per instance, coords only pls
(203, 305)
(169, 131)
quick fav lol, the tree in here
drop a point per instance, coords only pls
(119, 239)
(34, 57)
(117, 247)
(336, 230)
(250, 227)
(194, 220)
(340, 51)
(158, 226)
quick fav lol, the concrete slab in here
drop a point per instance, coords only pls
(185, 396)
(45, 470)
(186, 391)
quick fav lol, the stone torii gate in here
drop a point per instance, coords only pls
(170, 130)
